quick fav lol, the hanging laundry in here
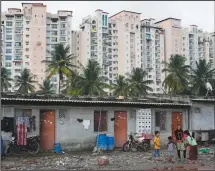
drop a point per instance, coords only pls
(86, 124)
(21, 126)
(7, 124)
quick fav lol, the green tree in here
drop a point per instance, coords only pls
(46, 88)
(25, 82)
(72, 86)
(201, 74)
(138, 85)
(61, 63)
(92, 82)
(5, 79)
(121, 88)
(177, 74)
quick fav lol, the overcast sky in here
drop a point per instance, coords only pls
(200, 13)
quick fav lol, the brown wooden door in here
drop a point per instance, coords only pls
(176, 119)
(120, 128)
(47, 130)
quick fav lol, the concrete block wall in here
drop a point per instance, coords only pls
(72, 135)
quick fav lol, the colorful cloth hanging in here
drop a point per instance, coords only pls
(21, 126)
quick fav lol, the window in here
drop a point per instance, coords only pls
(8, 44)
(148, 29)
(102, 126)
(27, 35)
(54, 26)
(8, 37)
(8, 57)
(62, 39)
(8, 30)
(27, 49)
(54, 32)
(27, 29)
(62, 32)
(19, 24)
(9, 17)
(9, 23)
(8, 50)
(7, 64)
(160, 120)
(63, 26)
(27, 22)
(148, 36)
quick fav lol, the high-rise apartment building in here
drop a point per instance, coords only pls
(125, 47)
(28, 34)
(93, 38)
(58, 30)
(172, 33)
(152, 53)
(2, 43)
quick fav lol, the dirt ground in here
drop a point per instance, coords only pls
(118, 160)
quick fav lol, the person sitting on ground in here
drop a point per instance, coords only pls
(191, 146)
(171, 149)
(157, 144)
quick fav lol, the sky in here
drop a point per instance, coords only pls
(200, 13)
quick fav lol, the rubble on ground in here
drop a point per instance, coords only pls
(116, 160)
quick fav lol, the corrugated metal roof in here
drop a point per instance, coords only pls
(93, 102)
(204, 100)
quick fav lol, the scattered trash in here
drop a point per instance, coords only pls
(115, 160)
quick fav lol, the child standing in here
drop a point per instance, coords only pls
(171, 148)
(157, 144)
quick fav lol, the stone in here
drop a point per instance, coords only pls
(103, 161)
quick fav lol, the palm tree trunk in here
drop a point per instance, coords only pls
(59, 84)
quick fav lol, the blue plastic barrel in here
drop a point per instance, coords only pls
(110, 143)
(101, 141)
(57, 148)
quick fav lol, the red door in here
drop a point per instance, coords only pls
(120, 128)
(47, 130)
(176, 119)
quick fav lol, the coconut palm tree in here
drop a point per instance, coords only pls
(91, 81)
(202, 74)
(5, 79)
(177, 74)
(121, 88)
(72, 85)
(46, 88)
(25, 82)
(61, 63)
(137, 84)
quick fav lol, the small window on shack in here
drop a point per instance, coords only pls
(100, 121)
(160, 120)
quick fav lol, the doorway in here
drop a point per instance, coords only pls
(120, 128)
(176, 119)
(47, 130)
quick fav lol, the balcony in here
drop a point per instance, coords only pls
(17, 59)
(94, 36)
(93, 43)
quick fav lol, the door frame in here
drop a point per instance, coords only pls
(115, 111)
(172, 120)
(55, 111)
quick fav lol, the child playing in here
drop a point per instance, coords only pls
(171, 149)
(157, 144)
